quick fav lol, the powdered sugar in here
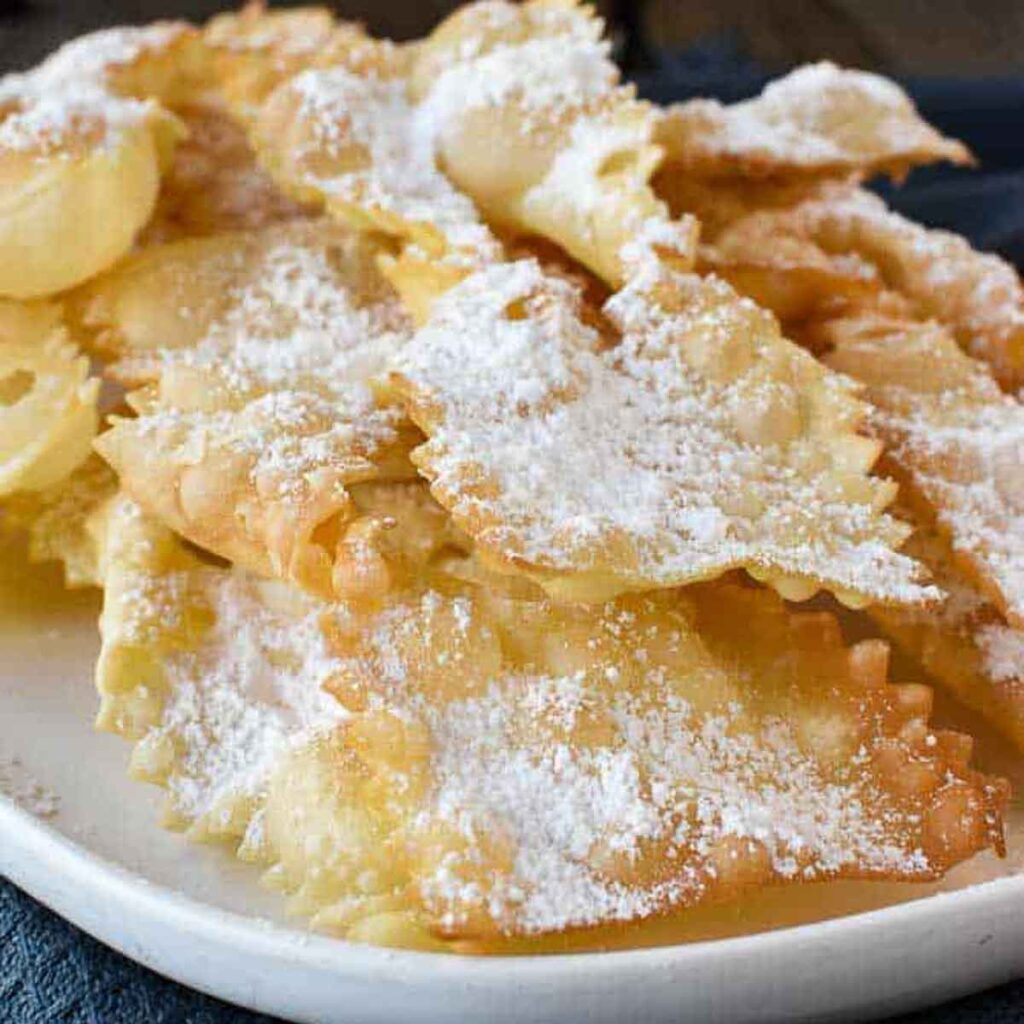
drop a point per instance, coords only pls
(293, 324)
(17, 783)
(69, 101)
(956, 436)
(1003, 649)
(642, 449)
(549, 798)
(296, 322)
(817, 117)
(399, 174)
(610, 803)
(978, 295)
(966, 643)
(252, 689)
(982, 501)
(539, 78)
(90, 58)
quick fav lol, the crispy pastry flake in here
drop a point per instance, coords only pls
(951, 436)
(531, 120)
(81, 135)
(965, 644)
(353, 142)
(256, 351)
(819, 120)
(977, 295)
(214, 184)
(210, 671)
(255, 49)
(48, 412)
(701, 442)
(58, 520)
(459, 767)
(556, 768)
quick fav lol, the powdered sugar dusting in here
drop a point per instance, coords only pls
(818, 116)
(1003, 649)
(639, 460)
(399, 175)
(294, 323)
(982, 501)
(17, 783)
(978, 295)
(250, 691)
(958, 438)
(293, 347)
(69, 98)
(540, 78)
(506, 766)
(625, 770)
(965, 643)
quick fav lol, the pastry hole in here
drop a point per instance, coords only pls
(516, 310)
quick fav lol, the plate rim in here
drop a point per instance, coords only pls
(861, 966)
(275, 938)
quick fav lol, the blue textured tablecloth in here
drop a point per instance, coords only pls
(50, 972)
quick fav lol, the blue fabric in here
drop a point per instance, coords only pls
(50, 972)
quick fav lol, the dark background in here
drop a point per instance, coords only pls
(964, 64)
(984, 37)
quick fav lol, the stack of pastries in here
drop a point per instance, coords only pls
(471, 440)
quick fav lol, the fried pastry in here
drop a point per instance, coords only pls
(200, 665)
(976, 294)
(82, 135)
(531, 120)
(696, 442)
(352, 143)
(254, 50)
(558, 768)
(214, 671)
(58, 521)
(47, 400)
(432, 528)
(459, 766)
(819, 120)
(256, 350)
(790, 275)
(952, 437)
(526, 118)
(965, 644)
(214, 184)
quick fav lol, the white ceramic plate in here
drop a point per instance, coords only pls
(78, 835)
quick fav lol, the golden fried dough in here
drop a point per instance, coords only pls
(965, 644)
(555, 768)
(48, 411)
(457, 429)
(58, 520)
(976, 294)
(697, 442)
(460, 766)
(258, 349)
(83, 135)
(198, 664)
(951, 436)
(213, 183)
(819, 120)
(255, 49)
(532, 122)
